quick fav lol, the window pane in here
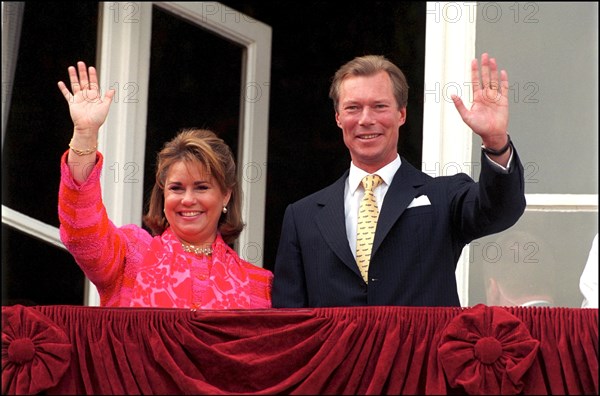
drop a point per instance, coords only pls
(540, 258)
(553, 75)
(185, 89)
(54, 36)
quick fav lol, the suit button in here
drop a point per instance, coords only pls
(374, 279)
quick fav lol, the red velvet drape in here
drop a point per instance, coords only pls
(359, 350)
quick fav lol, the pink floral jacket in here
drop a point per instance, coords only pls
(130, 268)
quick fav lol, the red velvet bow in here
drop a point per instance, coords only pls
(35, 351)
(487, 350)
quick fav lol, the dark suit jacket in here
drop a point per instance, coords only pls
(415, 250)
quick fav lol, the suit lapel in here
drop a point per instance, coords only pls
(402, 191)
(332, 224)
(331, 219)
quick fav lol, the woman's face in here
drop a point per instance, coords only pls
(193, 203)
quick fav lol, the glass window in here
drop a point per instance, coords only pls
(54, 36)
(183, 90)
(554, 124)
(538, 259)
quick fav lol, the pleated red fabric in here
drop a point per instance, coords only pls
(358, 350)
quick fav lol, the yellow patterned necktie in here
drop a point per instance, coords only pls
(367, 223)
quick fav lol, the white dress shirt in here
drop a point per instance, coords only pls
(354, 192)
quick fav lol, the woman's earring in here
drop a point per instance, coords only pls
(224, 209)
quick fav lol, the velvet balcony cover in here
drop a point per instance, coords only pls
(358, 350)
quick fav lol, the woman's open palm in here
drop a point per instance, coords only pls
(87, 108)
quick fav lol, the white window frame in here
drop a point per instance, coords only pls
(124, 64)
(447, 140)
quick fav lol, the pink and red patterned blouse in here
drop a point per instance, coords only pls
(130, 268)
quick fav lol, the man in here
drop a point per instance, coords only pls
(422, 223)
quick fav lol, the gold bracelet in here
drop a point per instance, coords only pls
(82, 152)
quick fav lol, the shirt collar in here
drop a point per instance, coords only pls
(386, 173)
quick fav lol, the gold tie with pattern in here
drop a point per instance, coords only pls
(367, 223)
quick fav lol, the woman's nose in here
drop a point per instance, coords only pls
(188, 197)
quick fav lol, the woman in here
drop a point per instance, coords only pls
(194, 213)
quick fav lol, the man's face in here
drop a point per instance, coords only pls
(370, 120)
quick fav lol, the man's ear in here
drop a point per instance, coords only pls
(402, 115)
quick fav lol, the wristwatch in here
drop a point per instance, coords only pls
(499, 151)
